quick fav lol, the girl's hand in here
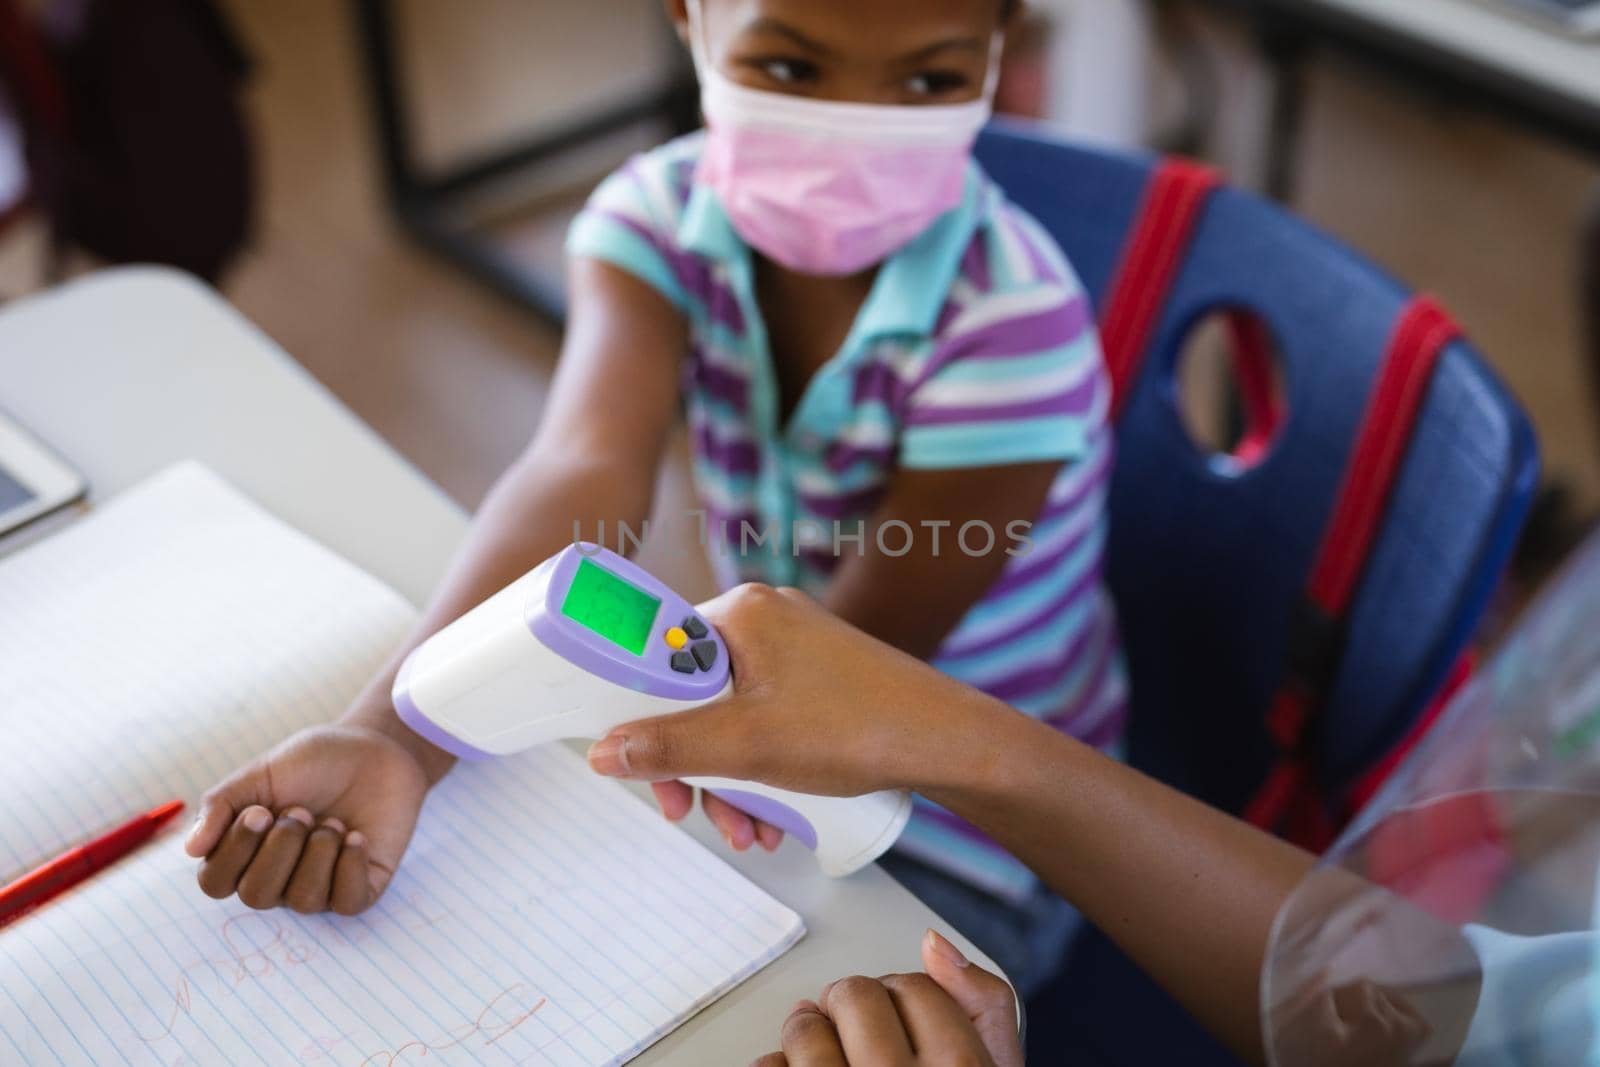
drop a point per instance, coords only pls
(955, 1014)
(319, 823)
(818, 707)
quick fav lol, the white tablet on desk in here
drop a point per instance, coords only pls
(34, 482)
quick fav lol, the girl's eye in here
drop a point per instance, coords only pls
(788, 71)
(936, 83)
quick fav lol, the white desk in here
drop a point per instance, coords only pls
(132, 369)
(1495, 36)
(1488, 50)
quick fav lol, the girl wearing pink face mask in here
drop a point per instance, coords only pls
(896, 402)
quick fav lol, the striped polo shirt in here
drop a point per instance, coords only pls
(975, 347)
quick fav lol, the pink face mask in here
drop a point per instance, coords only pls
(825, 187)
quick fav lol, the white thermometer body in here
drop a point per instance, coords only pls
(588, 641)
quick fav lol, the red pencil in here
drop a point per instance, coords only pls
(78, 864)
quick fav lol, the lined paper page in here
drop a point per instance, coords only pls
(541, 916)
(151, 648)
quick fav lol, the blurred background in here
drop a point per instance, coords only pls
(373, 136)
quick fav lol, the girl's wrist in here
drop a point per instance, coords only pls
(373, 710)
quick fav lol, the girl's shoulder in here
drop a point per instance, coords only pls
(1010, 251)
(1013, 290)
(655, 184)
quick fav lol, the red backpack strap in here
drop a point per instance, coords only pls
(1173, 204)
(1288, 800)
(1367, 786)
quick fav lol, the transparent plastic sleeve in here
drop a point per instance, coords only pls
(1455, 920)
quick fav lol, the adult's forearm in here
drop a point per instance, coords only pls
(527, 516)
(1188, 892)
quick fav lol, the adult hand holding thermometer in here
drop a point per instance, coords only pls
(587, 641)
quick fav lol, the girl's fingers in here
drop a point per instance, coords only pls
(351, 890)
(771, 1059)
(987, 999)
(736, 828)
(809, 1040)
(210, 823)
(675, 798)
(869, 1026)
(932, 1019)
(312, 882)
(261, 886)
(219, 874)
(222, 804)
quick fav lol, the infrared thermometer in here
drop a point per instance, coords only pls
(587, 641)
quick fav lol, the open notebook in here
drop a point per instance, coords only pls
(542, 915)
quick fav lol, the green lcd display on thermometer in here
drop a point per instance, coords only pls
(616, 610)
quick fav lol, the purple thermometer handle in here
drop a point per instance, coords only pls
(771, 811)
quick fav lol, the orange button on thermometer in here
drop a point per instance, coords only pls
(675, 636)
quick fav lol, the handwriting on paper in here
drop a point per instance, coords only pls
(262, 947)
(499, 1017)
(555, 953)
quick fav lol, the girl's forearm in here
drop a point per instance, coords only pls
(1188, 892)
(527, 516)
